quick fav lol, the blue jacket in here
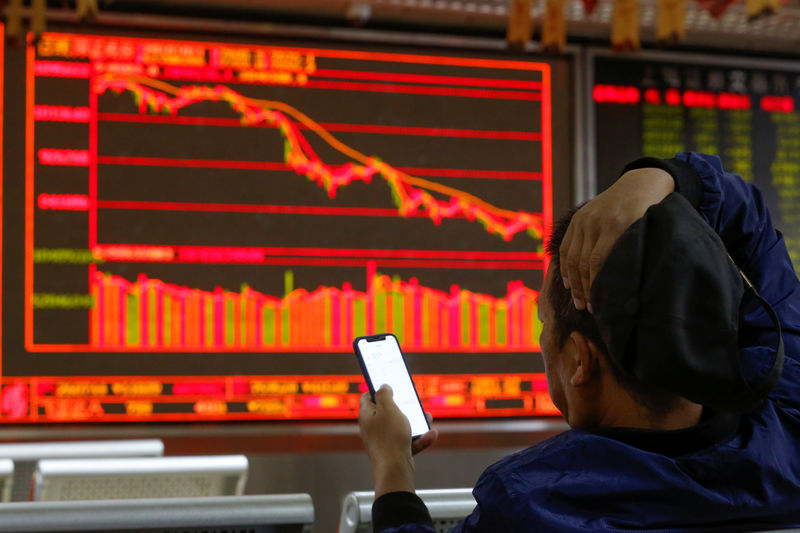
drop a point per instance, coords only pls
(728, 473)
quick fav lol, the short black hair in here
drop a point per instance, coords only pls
(567, 318)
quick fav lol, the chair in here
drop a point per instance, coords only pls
(139, 477)
(447, 508)
(25, 455)
(6, 479)
(281, 513)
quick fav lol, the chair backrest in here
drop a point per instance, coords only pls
(139, 477)
(280, 513)
(25, 455)
(6, 479)
(447, 508)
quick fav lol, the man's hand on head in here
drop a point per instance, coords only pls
(598, 224)
(386, 434)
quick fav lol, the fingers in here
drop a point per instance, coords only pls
(570, 256)
(424, 442)
(563, 253)
(581, 289)
(384, 395)
(365, 401)
(429, 418)
(598, 256)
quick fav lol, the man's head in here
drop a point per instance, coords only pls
(585, 384)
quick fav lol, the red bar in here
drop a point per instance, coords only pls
(394, 263)
(65, 202)
(350, 128)
(464, 173)
(190, 163)
(699, 99)
(733, 101)
(434, 132)
(60, 113)
(136, 252)
(428, 79)
(615, 94)
(61, 69)
(93, 127)
(251, 208)
(271, 165)
(248, 254)
(652, 97)
(777, 104)
(673, 97)
(55, 156)
(417, 89)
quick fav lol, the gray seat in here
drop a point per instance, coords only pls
(447, 508)
(284, 513)
(140, 477)
(25, 455)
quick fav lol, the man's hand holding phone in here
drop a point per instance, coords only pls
(386, 433)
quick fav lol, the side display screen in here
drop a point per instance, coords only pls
(748, 115)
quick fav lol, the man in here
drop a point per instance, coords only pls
(659, 361)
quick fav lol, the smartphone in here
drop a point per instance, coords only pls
(382, 362)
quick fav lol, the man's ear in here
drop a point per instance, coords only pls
(585, 359)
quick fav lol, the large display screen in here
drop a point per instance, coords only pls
(198, 230)
(746, 113)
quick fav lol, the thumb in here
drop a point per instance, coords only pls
(384, 394)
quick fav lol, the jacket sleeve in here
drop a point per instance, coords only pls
(401, 512)
(494, 511)
(737, 212)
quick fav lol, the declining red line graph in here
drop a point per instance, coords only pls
(410, 193)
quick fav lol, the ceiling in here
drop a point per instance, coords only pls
(732, 31)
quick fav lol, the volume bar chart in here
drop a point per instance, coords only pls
(151, 314)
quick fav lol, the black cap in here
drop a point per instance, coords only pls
(667, 304)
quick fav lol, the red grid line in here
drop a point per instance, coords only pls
(330, 126)
(429, 79)
(274, 165)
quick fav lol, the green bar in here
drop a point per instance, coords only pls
(380, 311)
(359, 318)
(501, 328)
(230, 325)
(167, 320)
(398, 306)
(209, 322)
(132, 334)
(537, 324)
(151, 304)
(288, 282)
(483, 324)
(465, 325)
(243, 316)
(425, 318)
(285, 324)
(327, 318)
(268, 319)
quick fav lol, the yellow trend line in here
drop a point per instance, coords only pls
(341, 147)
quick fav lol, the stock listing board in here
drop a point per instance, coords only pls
(198, 230)
(746, 113)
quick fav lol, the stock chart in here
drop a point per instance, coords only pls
(204, 227)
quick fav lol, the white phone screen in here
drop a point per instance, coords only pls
(384, 363)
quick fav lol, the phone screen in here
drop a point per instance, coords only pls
(383, 363)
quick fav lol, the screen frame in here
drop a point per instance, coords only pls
(186, 28)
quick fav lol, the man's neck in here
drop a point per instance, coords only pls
(623, 411)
